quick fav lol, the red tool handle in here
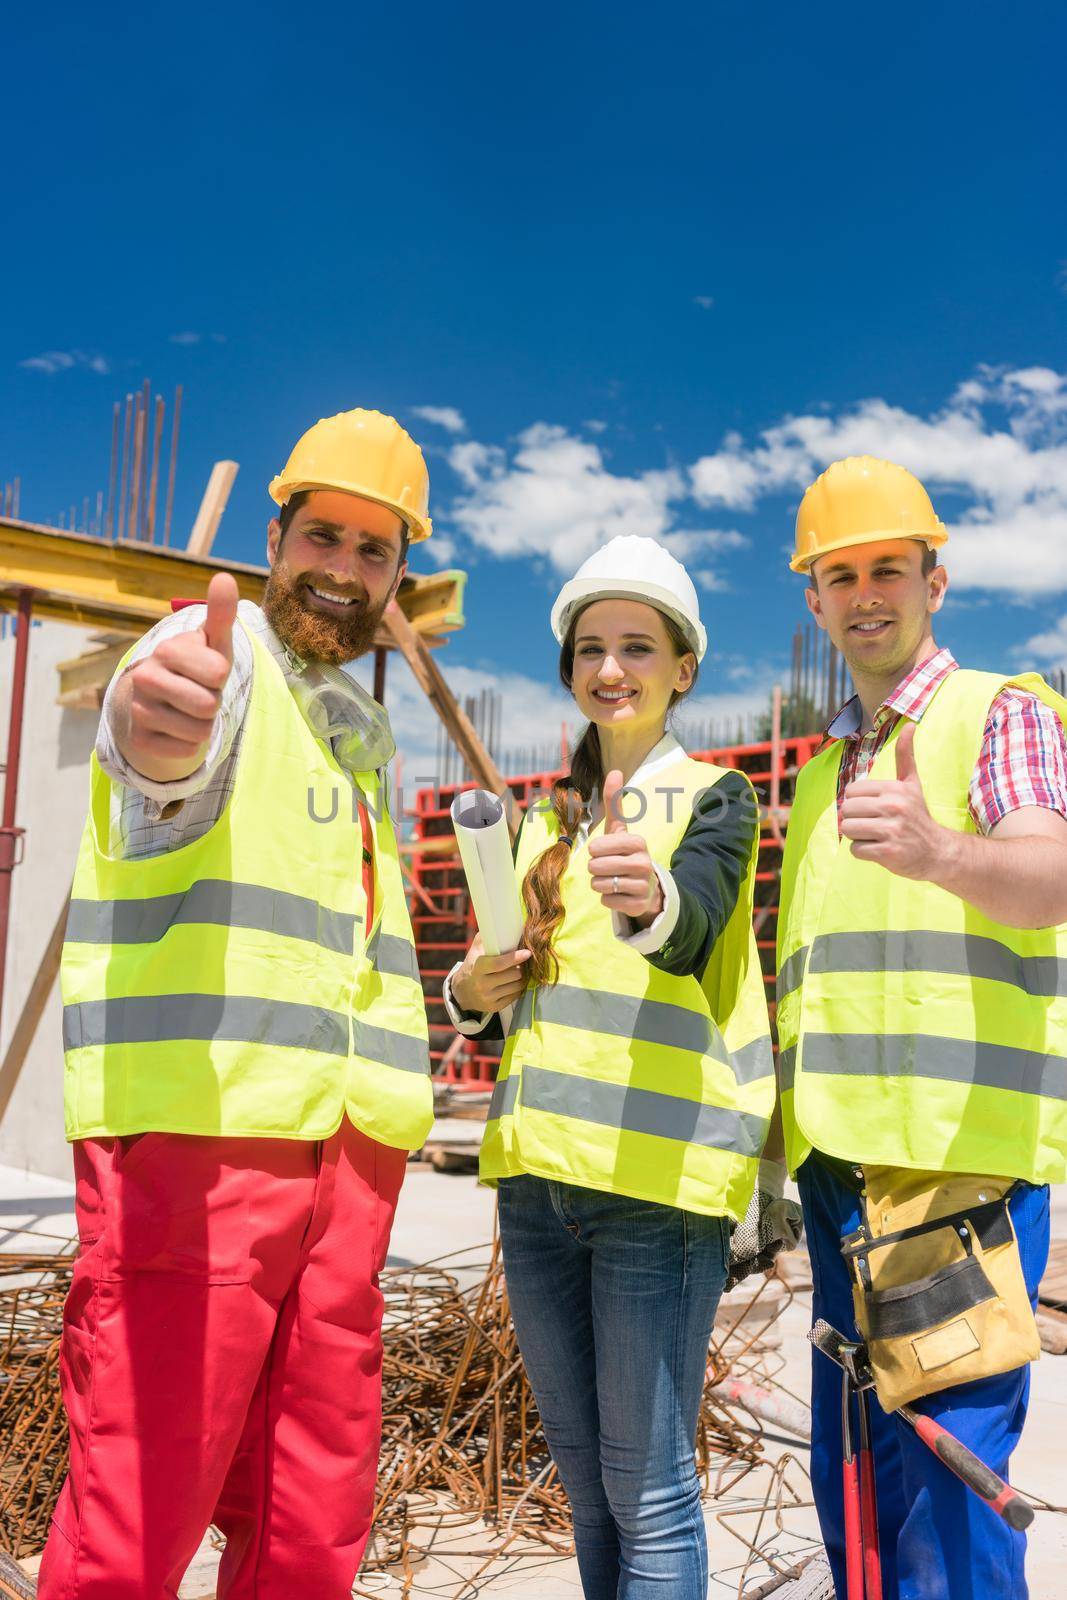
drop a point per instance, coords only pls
(1003, 1499)
(854, 1563)
(872, 1561)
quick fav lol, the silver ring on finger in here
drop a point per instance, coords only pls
(615, 885)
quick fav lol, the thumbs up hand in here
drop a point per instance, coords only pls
(168, 702)
(888, 820)
(620, 866)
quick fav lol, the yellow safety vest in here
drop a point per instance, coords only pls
(624, 1078)
(227, 987)
(914, 1031)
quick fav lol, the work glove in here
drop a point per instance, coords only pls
(771, 1223)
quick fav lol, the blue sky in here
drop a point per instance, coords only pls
(654, 266)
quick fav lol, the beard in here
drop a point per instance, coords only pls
(310, 634)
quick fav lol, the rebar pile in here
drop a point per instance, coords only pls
(461, 1441)
(33, 1429)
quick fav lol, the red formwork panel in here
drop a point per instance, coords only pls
(443, 920)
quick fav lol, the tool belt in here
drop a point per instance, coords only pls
(938, 1284)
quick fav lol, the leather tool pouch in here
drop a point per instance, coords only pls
(938, 1284)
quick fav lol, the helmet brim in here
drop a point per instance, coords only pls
(581, 592)
(282, 490)
(803, 563)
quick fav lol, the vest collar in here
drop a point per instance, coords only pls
(910, 698)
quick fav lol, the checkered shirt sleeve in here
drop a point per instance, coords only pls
(1023, 761)
(149, 818)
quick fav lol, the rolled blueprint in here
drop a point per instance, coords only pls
(485, 850)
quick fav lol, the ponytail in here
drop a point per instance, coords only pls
(541, 886)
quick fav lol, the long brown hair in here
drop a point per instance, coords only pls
(571, 795)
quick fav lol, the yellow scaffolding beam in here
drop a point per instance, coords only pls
(125, 586)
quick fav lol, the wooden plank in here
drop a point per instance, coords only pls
(83, 679)
(206, 526)
(458, 725)
(126, 586)
(1053, 1288)
(121, 585)
(32, 1010)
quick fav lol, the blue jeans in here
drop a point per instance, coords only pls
(613, 1301)
(938, 1540)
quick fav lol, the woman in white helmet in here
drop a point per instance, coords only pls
(636, 1083)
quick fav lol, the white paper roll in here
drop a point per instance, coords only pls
(485, 850)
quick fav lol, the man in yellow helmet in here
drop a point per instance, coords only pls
(246, 1063)
(922, 1015)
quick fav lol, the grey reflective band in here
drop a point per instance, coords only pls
(505, 1091)
(791, 972)
(924, 1055)
(787, 1061)
(214, 901)
(626, 1016)
(390, 1048)
(247, 1019)
(522, 1015)
(630, 1110)
(753, 1061)
(967, 955)
(393, 955)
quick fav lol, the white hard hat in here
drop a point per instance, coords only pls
(633, 568)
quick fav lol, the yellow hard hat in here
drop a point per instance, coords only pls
(859, 501)
(365, 453)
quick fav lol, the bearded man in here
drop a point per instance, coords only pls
(246, 1063)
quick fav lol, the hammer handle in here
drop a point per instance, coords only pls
(997, 1494)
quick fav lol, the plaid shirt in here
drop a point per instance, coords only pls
(1023, 760)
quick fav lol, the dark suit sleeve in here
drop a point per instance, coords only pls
(709, 868)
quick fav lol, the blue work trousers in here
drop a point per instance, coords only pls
(613, 1301)
(938, 1540)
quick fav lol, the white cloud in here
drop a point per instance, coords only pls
(473, 462)
(704, 301)
(447, 417)
(595, 425)
(556, 498)
(51, 361)
(1000, 444)
(1048, 648)
(438, 551)
(188, 338)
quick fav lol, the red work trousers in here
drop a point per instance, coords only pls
(221, 1361)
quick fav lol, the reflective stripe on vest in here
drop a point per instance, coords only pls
(914, 1031)
(250, 1019)
(652, 1021)
(212, 901)
(925, 950)
(665, 1116)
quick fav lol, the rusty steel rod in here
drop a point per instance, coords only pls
(10, 834)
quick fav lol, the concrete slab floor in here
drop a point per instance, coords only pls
(441, 1213)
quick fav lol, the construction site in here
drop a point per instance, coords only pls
(468, 1501)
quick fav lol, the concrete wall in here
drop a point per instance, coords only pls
(52, 799)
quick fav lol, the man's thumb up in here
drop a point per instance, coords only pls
(614, 821)
(221, 614)
(904, 747)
